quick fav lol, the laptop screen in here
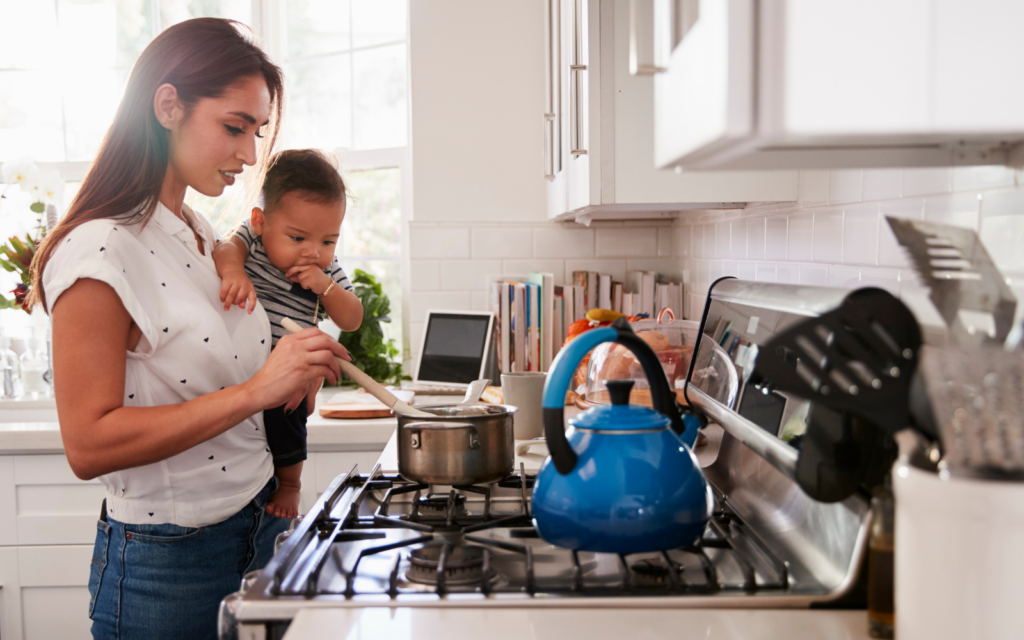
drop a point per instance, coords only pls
(453, 349)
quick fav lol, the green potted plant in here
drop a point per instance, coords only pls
(371, 352)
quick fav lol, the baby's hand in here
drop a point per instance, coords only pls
(310, 277)
(236, 288)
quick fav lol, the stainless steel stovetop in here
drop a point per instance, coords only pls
(379, 540)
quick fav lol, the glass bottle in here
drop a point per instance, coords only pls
(881, 612)
(34, 365)
(10, 369)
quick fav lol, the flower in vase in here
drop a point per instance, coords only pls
(24, 172)
(51, 188)
(20, 292)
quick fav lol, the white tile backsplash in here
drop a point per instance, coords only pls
(801, 237)
(522, 268)
(723, 240)
(860, 234)
(467, 275)
(452, 265)
(928, 181)
(777, 238)
(666, 237)
(616, 268)
(755, 238)
(555, 242)
(623, 242)
(438, 242)
(882, 184)
(958, 209)
(502, 242)
(837, 235)
(816, 275)
(967, 178)
(425, 275)
(828, 235)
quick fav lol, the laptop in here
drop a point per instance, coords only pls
(454, 351)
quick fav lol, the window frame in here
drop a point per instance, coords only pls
(269, 22)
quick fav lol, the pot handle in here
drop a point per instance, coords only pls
(560, 377)
(417, 427)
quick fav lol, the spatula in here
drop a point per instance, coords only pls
(372, 387)
(855, 364)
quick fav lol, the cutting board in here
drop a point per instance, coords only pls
(355, 410)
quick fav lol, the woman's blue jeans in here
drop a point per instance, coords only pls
(165, 581)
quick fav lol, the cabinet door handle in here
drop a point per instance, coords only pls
(575, 91)
(652, 9)
(552, 159)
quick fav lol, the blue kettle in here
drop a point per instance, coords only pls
(622, 479)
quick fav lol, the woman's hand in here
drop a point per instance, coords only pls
(309, 395)
(236, 288)
(296, 362)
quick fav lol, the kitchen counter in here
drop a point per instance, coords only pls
(557, 624)
(30, 427)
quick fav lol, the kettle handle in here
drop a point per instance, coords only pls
(560, 377)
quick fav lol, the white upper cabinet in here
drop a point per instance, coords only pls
(784, 84)
(599, 129)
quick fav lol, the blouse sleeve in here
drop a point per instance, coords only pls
(100, 250)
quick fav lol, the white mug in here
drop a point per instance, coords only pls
(525, 391)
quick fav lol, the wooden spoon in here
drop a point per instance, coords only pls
(373, 387)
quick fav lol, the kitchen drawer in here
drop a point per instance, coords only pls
(44, 592)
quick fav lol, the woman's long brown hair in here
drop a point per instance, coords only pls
(201, 58)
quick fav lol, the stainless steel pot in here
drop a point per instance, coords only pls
(463, 444)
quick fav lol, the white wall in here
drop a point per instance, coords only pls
(477, 97)
(836, 234)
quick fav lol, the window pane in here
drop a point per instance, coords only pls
(375, 21)
(175, 11)
(380, 115)
(104, 33)
(318, 26)
(318, 95)
(30, 118)
(386, 272)
(373, 218)
(28, 34)
(87, 121)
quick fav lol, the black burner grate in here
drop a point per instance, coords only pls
(444, 541)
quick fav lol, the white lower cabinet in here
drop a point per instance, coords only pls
(47, 529)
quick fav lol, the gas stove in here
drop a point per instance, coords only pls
(378, 540)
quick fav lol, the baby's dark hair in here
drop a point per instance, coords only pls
(309, 171)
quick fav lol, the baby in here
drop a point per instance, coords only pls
(284, 256)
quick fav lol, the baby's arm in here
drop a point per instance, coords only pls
(236, 288)
(342, 306)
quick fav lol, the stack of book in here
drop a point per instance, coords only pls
(647, 295)
(533, 314)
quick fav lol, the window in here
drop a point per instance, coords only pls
(345, 85)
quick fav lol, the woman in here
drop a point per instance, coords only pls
(159, 390)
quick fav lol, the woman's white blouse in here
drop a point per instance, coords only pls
(190, 347)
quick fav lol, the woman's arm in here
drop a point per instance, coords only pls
(91, 337)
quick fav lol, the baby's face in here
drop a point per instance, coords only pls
(299, 233)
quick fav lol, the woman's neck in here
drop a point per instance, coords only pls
(172, 193)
